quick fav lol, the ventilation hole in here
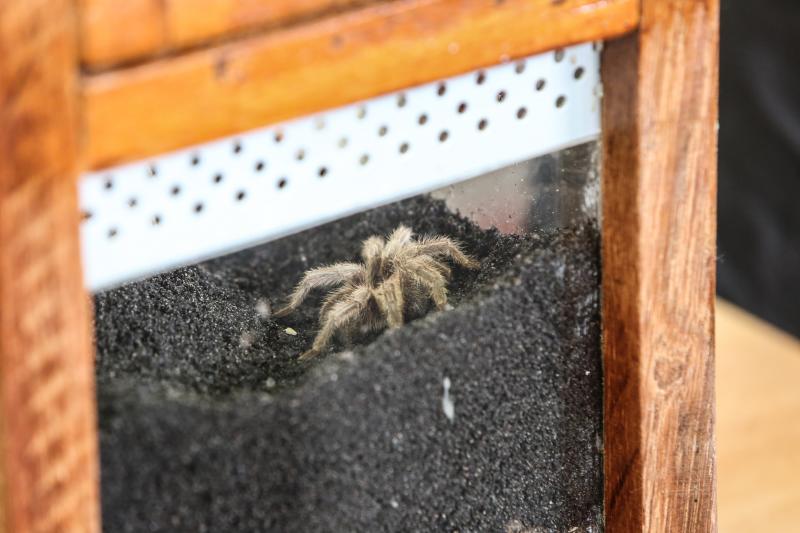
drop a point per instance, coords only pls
(404, 148)
(364, 159)
(501, 96)
(108, 184)
(521, 112)
(217, 178)
(578, 73)
(519, 68)
(401, 100)
(319, 123)
(132, 202)
(559, 55)
(462, 107)
(198, 207)
(322, 172)
(382, 130)
(176, 190)
(260, 165)
(362, 112)
(423, 118)
(195, 160)
(86, 215)
(301, 154)
(482, 124)
(240, 196)
(441, 89)
(152, 171)
(342, 142)
(237, 147)
(443, 136)
(282, 183)
(278, 136)
(481, 77)
(156, 220)
(540, 84)
(112, 232)
(561, 100)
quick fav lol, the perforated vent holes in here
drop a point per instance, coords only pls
(186, 206)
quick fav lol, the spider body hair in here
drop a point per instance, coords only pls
(398, 278)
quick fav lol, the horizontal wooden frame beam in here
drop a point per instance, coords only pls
(114, 32)
(140, 111)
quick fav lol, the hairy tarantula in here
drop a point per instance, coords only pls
(398, 277)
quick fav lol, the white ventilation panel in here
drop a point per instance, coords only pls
(214, 198)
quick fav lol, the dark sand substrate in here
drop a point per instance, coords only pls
(209, 423)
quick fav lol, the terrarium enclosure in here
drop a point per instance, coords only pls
(467, 396)
(341, 266)
(483, 416)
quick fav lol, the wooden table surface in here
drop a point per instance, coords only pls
(758, 424)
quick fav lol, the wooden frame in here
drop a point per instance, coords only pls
(261, 79)
(659, 234)
(65, 109)
(48, 442)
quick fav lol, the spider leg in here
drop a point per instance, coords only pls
(327, 276)
(372, 247)
(340, 314)
(444, 247)
(428, 273)
(389, 297)
(399, 238)
(333, 298)
(442, 268)
(371, 253)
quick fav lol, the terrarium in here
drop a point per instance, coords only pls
(409, 265)
(415, 348)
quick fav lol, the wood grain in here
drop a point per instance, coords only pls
(141, 111)
(659, 224)
(758, 401)
(48, 439)
(115, 32)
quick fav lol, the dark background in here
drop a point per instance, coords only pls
(759, 159)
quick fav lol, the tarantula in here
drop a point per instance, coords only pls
(397, 278)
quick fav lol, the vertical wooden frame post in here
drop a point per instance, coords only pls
(48, 438)
(659, 225)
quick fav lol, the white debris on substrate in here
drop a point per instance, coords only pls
(247, 339)
(263, 308)
(447, 403)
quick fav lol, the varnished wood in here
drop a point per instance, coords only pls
(149, 109)
(48, 439)
(659, 223)
(115, 32)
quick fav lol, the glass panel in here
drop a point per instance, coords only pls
(557, 190)
(480, 412)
